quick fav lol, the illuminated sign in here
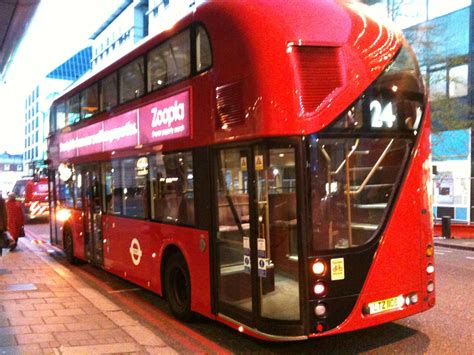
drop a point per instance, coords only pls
(157, 122)
(382, 116)
(165, 119)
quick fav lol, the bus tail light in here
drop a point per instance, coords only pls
(430, 287)
(430, 269)
(320, 289)
(320, 327)
(319, 267)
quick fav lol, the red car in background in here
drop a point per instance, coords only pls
(33, 193)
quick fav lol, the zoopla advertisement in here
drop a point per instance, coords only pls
(154, 123)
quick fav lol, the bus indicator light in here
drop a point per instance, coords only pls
(429, 250)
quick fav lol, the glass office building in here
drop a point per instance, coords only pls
(441, 33)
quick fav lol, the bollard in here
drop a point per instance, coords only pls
(446, 227)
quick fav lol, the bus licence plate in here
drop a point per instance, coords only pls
(385, 305)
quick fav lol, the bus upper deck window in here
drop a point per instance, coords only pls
(59, 116)
(89, 102)
(169, 62)
(203, 50)
(132, 80)
(108, 92)
(74, 109)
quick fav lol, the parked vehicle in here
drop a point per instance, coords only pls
(33, 193)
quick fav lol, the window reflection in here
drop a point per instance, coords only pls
(352, 182)
(60, 113)
(172, 188)
(74, 110)
(132, 83)
(125, 187)
(203, 50)
(89, 101)
(169, 62)
(108, 92)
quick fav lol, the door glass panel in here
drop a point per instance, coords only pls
(93, 202)
(233, 231)
(277, 234)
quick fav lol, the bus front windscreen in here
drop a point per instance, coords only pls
(357, 164)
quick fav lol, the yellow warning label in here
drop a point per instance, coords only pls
(259, 162)
(337, 269)
(243, 163)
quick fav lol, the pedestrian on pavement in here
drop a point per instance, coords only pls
(6, 239)
(16, 219)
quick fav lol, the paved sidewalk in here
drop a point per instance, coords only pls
(46, 309)
(455, 243)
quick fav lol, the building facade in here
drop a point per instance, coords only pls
(132, 22)
(11, 169)
(37, 106)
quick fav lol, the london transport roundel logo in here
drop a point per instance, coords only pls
(135, 251)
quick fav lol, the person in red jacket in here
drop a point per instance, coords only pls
(16, 219)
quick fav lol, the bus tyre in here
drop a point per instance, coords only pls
(69, 247)
(178, 287)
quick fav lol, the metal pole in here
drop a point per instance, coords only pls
(446, 227)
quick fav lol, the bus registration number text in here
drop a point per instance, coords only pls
(385, 305)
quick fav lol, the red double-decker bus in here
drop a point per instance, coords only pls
(263, 164)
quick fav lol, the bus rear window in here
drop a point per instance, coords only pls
(203, 50)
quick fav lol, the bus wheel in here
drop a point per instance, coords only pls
(178, 287)
(69, 247)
